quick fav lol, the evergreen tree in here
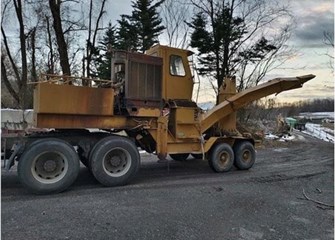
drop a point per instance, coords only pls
(145, 22)
(219, 36)
(103, 61)
(126, 35)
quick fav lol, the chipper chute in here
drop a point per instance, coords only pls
(239, 100)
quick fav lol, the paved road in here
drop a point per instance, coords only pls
(186, 200)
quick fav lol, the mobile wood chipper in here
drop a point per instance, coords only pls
(149, 97)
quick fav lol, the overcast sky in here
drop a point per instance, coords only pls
(313, 17)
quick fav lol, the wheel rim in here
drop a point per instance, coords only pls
(246, 156)
(224, 159)
(49, 167)
(116, 162)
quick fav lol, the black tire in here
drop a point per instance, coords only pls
(245, 155)
(48, 166)
(197, 156)
(179, 156)
(114, 161)
(221, 158)
(28, 145)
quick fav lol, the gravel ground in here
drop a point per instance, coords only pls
(186, 200)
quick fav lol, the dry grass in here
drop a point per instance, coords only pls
(328, 125)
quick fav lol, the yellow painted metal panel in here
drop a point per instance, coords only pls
(69, 99)
(161, 138)
(227, 90)
(182, 123)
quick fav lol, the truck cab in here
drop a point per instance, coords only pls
(177, 79)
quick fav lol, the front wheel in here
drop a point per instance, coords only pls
(245, 155)
(114, 161)
(221, 158)
(48, 166)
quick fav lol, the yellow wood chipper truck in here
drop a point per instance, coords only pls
(149, 98)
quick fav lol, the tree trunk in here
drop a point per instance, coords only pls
(33, 56)
(62, 46)
(51, 65)
(90, 44)
(24, 77)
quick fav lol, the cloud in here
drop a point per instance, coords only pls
(308, 91)
(116, 8)
(312, 22)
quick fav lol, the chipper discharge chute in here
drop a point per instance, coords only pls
(241, 99)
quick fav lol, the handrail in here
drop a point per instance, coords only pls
(241, 99)
(64, 79)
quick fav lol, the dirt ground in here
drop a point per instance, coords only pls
(186, 200)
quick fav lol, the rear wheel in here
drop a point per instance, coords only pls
(245, 155)
(221, 158)
(179, 156)
(114, 161)
(48, 166)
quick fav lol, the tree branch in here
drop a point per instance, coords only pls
(4, 78)
(15, 69)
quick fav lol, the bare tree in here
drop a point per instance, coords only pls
(175, 15)
(33, 55)
(51, 55)
(12, 89)
(46, 57)
(251, 73)
(55, 7)
(92, 37)
(63, 28)
(328, 39)
(19, 68)
(48, 40)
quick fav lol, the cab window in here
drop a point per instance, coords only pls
(176, 66)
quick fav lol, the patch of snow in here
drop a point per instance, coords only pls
(300, 138)
(316, 130)
(206, 105)
(318, 115)
(287, 138)
(280, 149)
(270, 136)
